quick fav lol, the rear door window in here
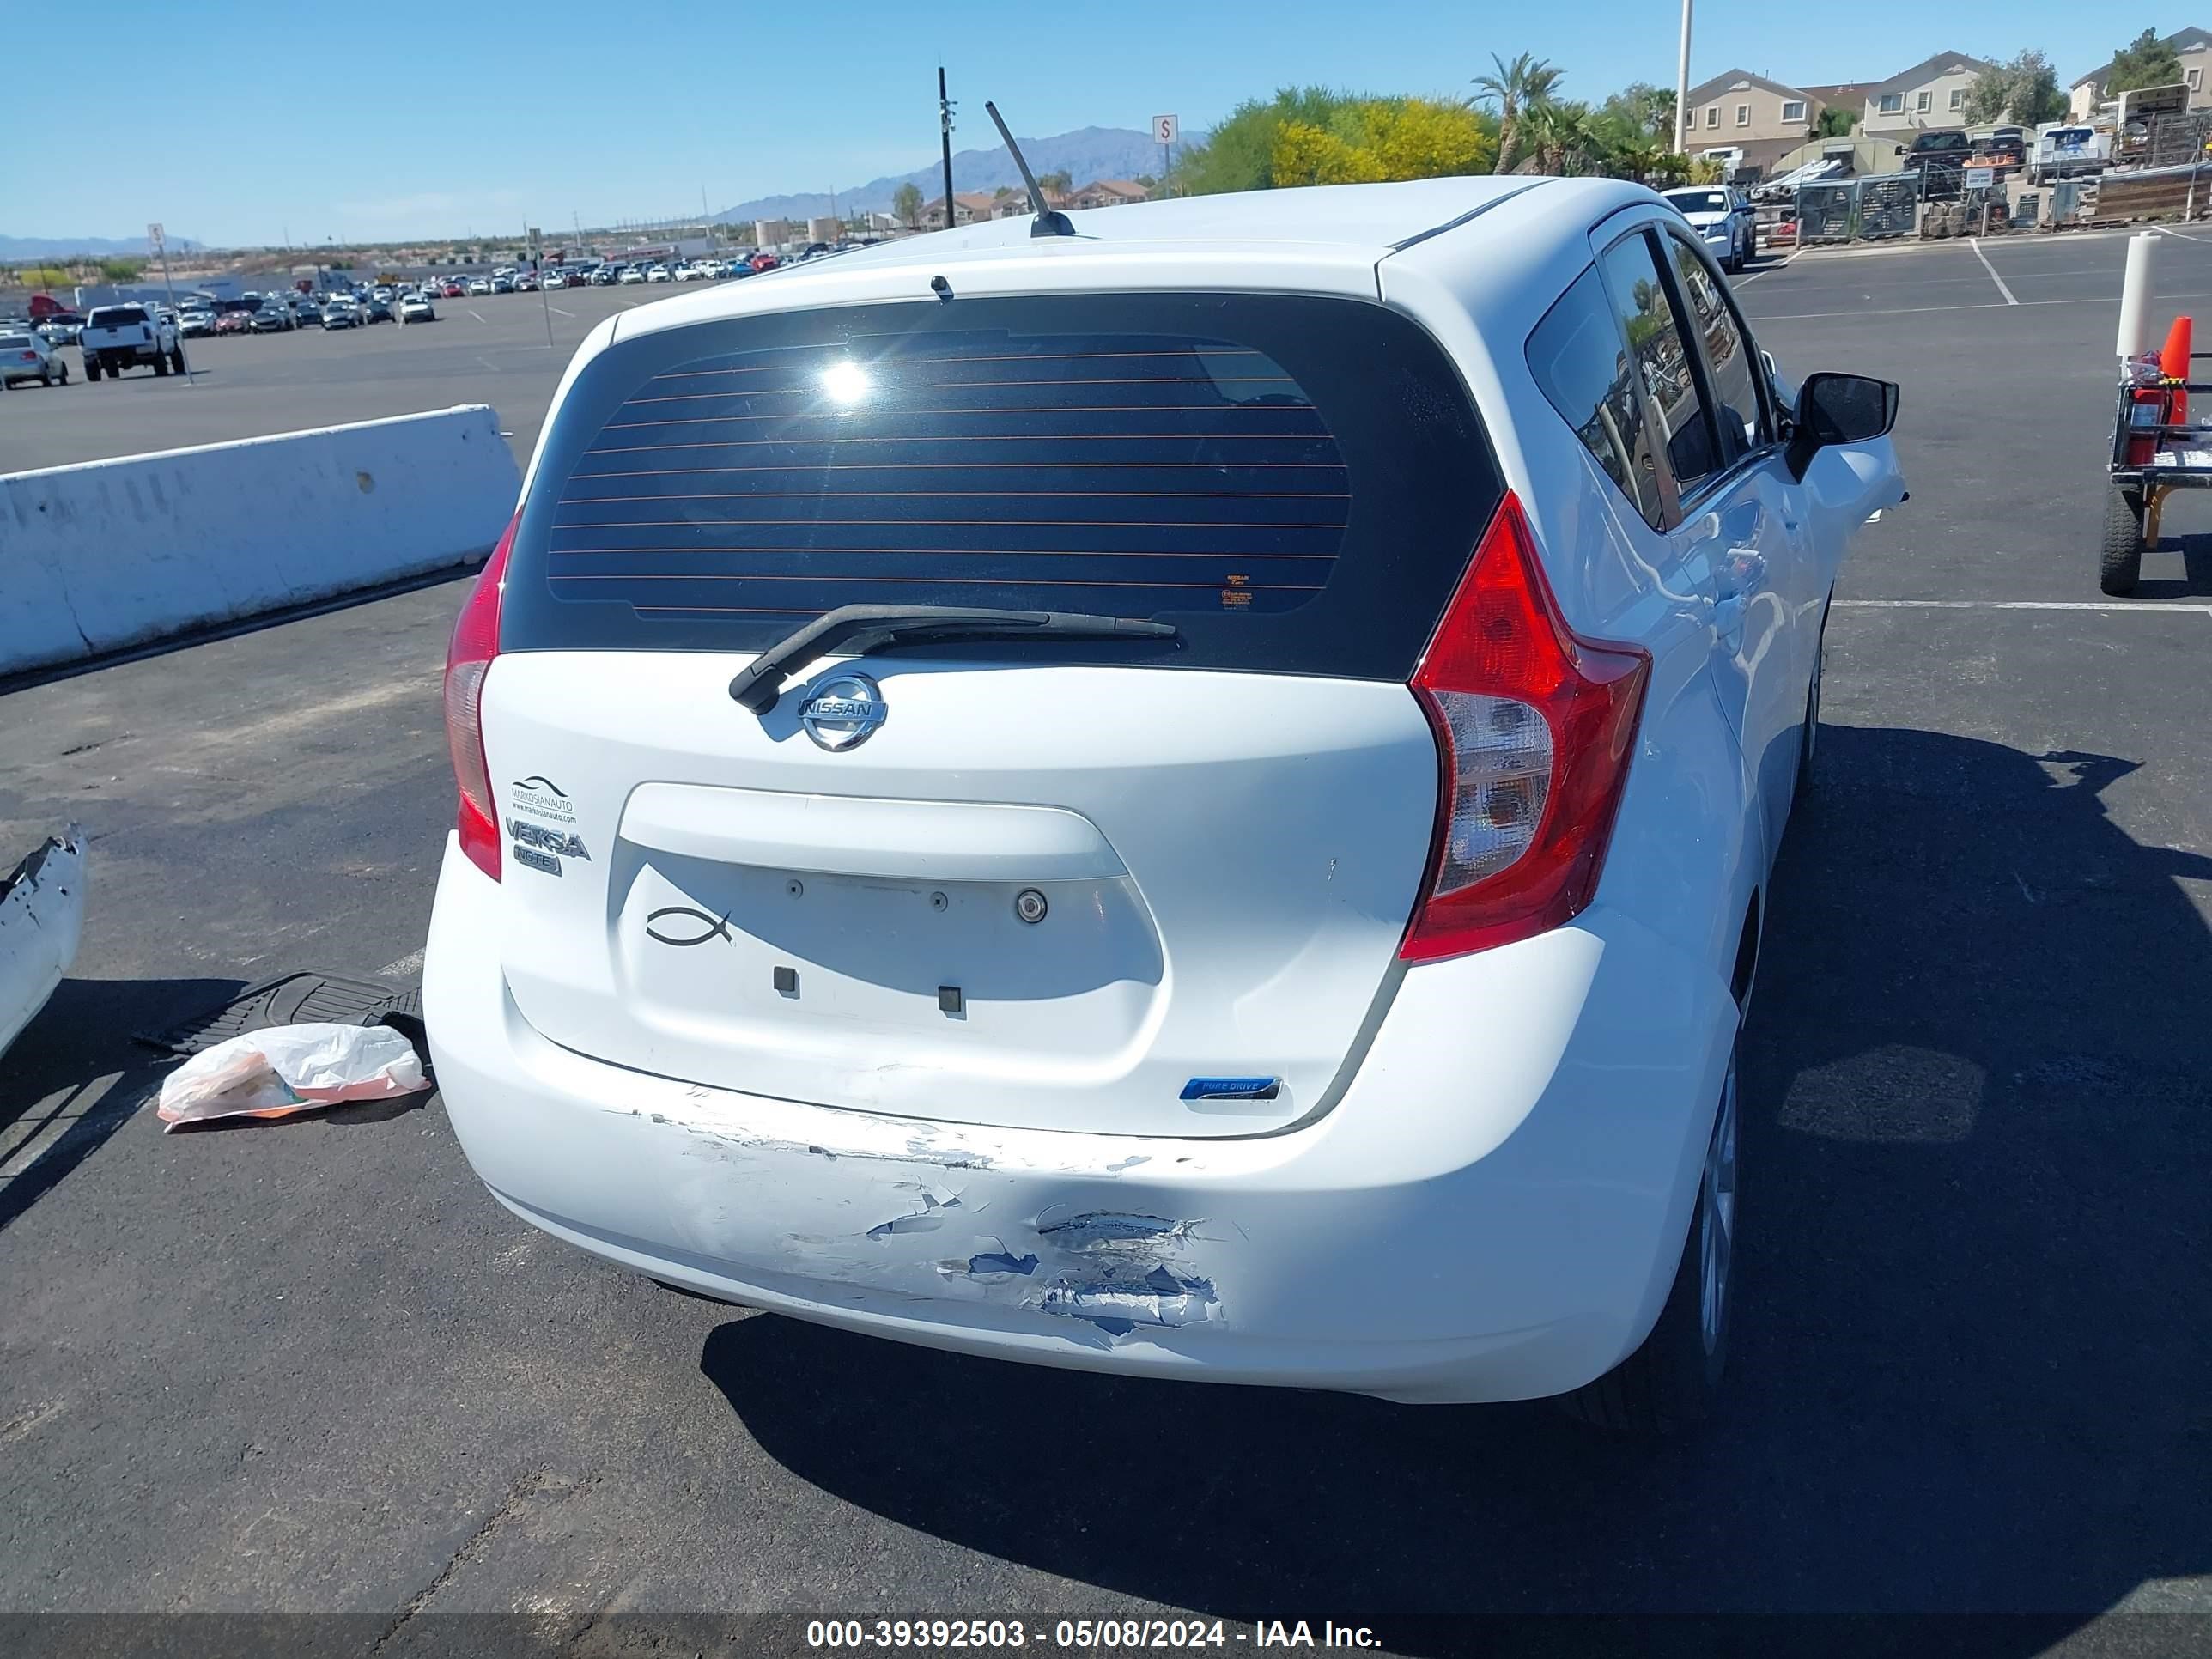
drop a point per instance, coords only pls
(1732, 370)
(1658, 345)
(1295, 482)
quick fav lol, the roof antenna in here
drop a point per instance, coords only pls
(1049, 221)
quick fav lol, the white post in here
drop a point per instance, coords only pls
(1682, 89)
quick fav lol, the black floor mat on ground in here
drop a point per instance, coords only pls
(309, 995)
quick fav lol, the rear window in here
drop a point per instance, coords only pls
(1295, 482)
(118, 316)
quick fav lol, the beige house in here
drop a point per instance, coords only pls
(2192, 46)
(1758, 118)
(1109, 193)
(1932, 93)
(967, 206)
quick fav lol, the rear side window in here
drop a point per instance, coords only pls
(1577, 358)
(1295, 482)
(117, 317)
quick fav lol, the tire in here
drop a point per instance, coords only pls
(46, 378)
(161, 366)
(177, 359)
(1669, 1384)
(92, 371)
(2120, 559)
(65, 371)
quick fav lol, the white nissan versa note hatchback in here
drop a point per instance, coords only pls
(1191, 799)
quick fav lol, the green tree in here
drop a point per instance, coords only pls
(1055, 183)
(1836, 122)
(2024, 89)
(122, 270)
(1239, 153)
(1513, 89)
(1309, 135)
(1565, 137)
(38, 276)
(2145, 61)
(1648, 109)
(906, 203)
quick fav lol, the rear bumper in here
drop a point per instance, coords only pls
(1493, 1211)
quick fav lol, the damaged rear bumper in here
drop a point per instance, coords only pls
(41, 918)
(1493, 1210)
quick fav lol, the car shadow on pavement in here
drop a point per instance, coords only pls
(75, 1068)
(1977, 1295)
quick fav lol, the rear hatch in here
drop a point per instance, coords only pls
(1138, 886)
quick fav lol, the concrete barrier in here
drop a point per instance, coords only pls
(115, 553)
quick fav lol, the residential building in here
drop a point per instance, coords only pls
(1843, 95)
(1932, 93)
(1757, 119)
(2192, 46)
(1109, 192)
(968, 206)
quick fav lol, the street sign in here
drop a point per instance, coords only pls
(153, 239)
(1166, 129)
(1980, 177)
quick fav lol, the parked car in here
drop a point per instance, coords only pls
(479, 284)
(274, 317)
(60, 328)
(193, 323)
(117, 337)
(25, 354)
(631, 274)
(1453, 796)
(502, 285)
(417, 308)
(605, 276)
(342, 312)
(376, 311)
(658, 273)
(1724, 217)
(233, 322)
(764, 262)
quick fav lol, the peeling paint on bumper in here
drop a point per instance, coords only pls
(41, 918)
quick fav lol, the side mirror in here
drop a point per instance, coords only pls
(1838, 409)
(1898, 148)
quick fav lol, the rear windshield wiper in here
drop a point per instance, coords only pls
(861, 629)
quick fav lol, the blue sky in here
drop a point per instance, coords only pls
(379, 121)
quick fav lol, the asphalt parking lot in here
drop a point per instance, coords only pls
(491, 349)
(311, 1366)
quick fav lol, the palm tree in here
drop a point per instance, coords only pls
(1562, 138)
(1515, 88)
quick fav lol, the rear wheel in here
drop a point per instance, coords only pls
(1668, 1385)
(2120, 563)
(91, 368)
(177, 359)
(64, 372)
(161, 366)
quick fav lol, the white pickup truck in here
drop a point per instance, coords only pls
(117, 337)
(2067, 149)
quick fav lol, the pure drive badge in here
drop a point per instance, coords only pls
(565, 843)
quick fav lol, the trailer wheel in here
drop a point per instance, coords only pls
(2120, 559)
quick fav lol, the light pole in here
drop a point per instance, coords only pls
(1682, 89)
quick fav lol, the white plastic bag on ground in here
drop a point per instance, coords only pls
(290, 1068)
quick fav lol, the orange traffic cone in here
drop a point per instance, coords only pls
(2173, 364)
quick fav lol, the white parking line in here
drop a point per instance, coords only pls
(488, 364)
(1971, 305)
(2136, 607)
(1975, 243)
(1756, 274)
(557, 311)
(478, 315)
(2180, 236)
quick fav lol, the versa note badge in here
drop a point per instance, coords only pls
(842, 712)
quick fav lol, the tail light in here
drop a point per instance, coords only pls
(475, 643)
(1535, 726)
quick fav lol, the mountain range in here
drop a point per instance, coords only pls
(1086, 154)
(62, 247)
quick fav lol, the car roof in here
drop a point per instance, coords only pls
(1325, 238)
